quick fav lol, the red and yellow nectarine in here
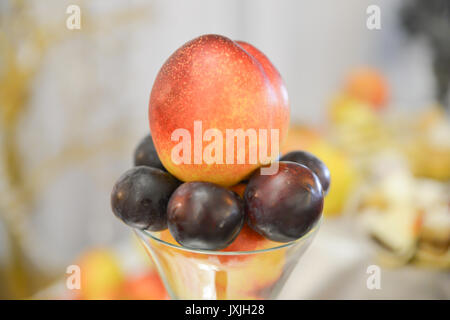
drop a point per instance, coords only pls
(225, 85)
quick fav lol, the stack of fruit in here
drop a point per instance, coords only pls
(223, 85)
(203, 215)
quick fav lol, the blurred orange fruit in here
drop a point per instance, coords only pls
(368, 85)
(147, 286)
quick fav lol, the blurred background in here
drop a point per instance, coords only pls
(373, 104)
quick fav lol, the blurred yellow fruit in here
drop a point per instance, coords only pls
(343, 177)
(429, 147)
(347, 109)
(429, 162)
(101, 275)
(356, 128)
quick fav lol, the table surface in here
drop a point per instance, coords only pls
(335, 267)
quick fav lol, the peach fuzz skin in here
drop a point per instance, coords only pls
(226, 85)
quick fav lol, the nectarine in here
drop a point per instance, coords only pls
(222, 85)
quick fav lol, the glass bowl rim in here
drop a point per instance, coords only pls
(311, 232)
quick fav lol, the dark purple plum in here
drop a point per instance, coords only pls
(203, 215)
(312, 162)
(140, 197)
(284, 206)
(145, 154)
